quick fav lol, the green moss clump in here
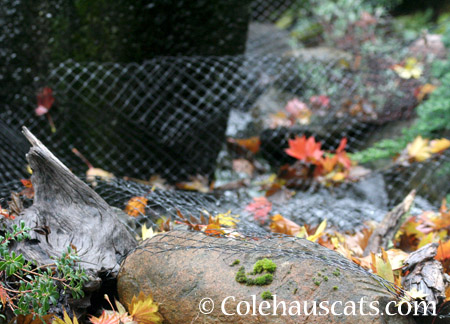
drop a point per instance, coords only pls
(264, 264)
(335, 288)
(235, 262)
(240, 275)
(259, 267)
(316, 282)
(325, 278)
(266, 295)
(264, 279)
(337, 272)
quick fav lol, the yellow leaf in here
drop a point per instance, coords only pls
(302, 233)
(319, 232)
(226, 219)
(338, 177)
(383, 266)
(92, 173)
(335, 242)
(147, 232)
(144, 310)
(411, 69)
(429, 238)
(66, 320)
(419, 149)
(437, 146)
(415, 294)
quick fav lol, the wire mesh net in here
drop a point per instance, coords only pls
(172, 117)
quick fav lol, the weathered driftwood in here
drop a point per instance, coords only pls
(425, 274)
(390, 224)
(67, 212)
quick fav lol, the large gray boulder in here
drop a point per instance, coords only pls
(180, 269)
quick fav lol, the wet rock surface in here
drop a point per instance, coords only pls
(182, 268)
(346, 207)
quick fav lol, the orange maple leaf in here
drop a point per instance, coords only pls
(136, 206)
(144, 310)
(443, 251)
(303, 149)
(284, 226)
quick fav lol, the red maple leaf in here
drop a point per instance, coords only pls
(45, 101)
(303, 149)
(342, 156)
(260, 208)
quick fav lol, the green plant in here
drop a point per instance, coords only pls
(433, 117)
(264, 264)
(266, 295)
(29, 289)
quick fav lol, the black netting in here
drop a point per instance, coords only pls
(169, 114)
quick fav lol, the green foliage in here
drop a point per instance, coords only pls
(433, 117)
(411, 26)
(32, 289)
(330, 20)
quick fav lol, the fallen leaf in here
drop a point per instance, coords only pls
(419, 150)
(303, 149)
(422, 91)
(443, 251)
(5, 213)
(260, 208)
(105, 318)
(415, 294)
(4, 297)
(227, 219)
(33, 319)
(251, 144)
(319, 231)
(298, 111)
(282, 225)
(147, 232)
(410, 69)
(45, 101)
(29, 190)
(144, 310)
(136, 206)
(383, 266)
(93, 173)
(198, 183)
(67, 319)
(439, 145)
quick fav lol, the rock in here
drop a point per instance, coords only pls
(264, 38)
(180, 269)
(346, 207)
(429, 44)
(320, 54)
